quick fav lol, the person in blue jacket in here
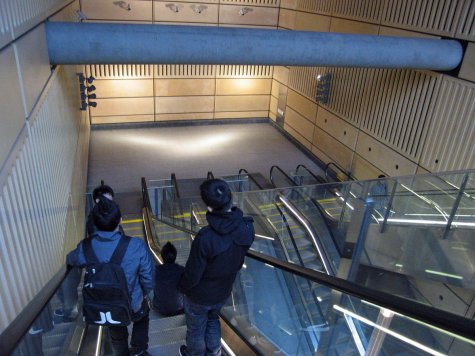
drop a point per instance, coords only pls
(216, 256)
(138, 268)
(167, 300)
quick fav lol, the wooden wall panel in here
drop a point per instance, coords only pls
(302, 105)
(338, 128)
(177, 87)
(248, 15)
(362, 169)
(188, 104)
(241, 114)
(350, 26)
(98, 120)
(295, 134)
(242, 103)
(169, 11)
(120, 71)
(122, 106)
(323, 7)
(183, 116)
(383, 157)
(121, 88)
(299, 123)
(287, 19)
(130, 10)
(312, 22)
(467, 70)
(363, 10)
(243, 86)
(338, 152)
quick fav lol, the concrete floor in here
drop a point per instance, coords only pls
(122, 156)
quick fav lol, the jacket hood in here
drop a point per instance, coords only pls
(107, 235)
(230, 223)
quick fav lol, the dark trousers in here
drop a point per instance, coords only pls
(139, 339)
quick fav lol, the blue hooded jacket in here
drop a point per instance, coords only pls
(137, 263)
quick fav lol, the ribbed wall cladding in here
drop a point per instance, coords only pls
(466, 24)
(435, 16)
(34, 202)
(391, 105)
(185, 71)
(23, 14)
(5, 28)
(273, 3)
(101, 71)
(243, 71)
(451, 133)
(363, 10)
(322, 7)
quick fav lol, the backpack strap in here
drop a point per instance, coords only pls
(119, 252)
(89, 254)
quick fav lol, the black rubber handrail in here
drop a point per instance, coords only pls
(346, 173)
(271, 177)
(448, 321)
(243, 170)
(175, 186)
(318, 178)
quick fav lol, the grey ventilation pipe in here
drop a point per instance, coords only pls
(106, 43)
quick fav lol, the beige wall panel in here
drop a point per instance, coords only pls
(273, 105)
(338, 128)
(338, 152)
(241, 114)
(281, 74)
(171, 11)
(274, 91)
(120, 88)
(248, 15)
(421, 170)
(467, 71)
(179, 87)
(391, 31)
(184, 116)
(299, 123)
(288, 4)
(295, 134)
(302, 105)
(362, 169)
(243, 86)
(272, 116)
(120, 119)
(243, 103)
(383, 157)
(12, 117)
(32, 53)
(68, 14)
(117, 10)
(287, 19)
(184, 104)
(348, 26)
(122, 107)
(312, 22)
(322, 156)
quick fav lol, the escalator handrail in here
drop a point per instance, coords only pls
(341, 169)
(271, 178)
(17, 329)
(440, 318)
(296, 214)
(175, 185)
(318, 178)
(243, 170)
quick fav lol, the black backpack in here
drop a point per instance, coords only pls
(105, 292)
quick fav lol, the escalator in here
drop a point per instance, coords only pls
(353, 324)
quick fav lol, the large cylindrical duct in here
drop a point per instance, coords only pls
(96, 43)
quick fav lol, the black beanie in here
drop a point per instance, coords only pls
(216, 194)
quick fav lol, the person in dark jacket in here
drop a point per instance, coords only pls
(102, 190)
(166, 298)
(138, 269)
(217, 254)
